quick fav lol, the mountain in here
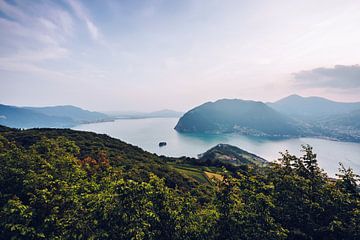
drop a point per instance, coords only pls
(56, 116)
(350, 120)
(294, 116)
(325, 118)
(312, 107)
(25, 118)
(75, 113)
(228, 154)
(238, 116)
(347, 125)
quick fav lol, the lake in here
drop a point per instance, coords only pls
(147, 133)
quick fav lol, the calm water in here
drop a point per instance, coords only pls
(147, 133)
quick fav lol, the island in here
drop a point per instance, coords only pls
(290, 117)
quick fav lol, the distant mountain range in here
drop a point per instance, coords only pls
(56, 116)
(165, 113)
(293, 116)
(312, 107)
(75, 113)
(326, 118)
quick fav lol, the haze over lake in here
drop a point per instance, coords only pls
(147, 133)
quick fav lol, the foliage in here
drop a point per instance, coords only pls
(74, 185)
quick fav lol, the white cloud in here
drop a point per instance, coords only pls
(12, 11)
(167, 52)
(32, 36)
(81, 13)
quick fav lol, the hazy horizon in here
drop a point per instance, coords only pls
(152, 55)
(134, 111)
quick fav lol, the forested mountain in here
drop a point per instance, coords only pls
(75, 113)
(57, 116)
(346, 125)
(239, 116)
(327, 118)
(24, 118)
(312, 107)
(65, 184)
(293, 116)
(350, 120)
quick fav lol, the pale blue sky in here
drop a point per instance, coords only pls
(149, 55)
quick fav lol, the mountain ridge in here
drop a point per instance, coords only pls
(54, 116)
(227, 115)
(315, 117)
(18, 117)
(312, 107)
(76, 113)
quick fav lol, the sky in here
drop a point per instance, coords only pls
(120, 55)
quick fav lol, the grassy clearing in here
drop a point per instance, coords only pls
(194, 174)
(202, 174)
(216, 176)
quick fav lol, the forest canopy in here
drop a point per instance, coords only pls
(64, 184)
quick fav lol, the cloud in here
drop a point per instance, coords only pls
(33, 35)
(12, 11)
(81, 13)
(339, 77)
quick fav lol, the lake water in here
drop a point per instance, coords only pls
(147, 133)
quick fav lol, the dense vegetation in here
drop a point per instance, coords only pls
(64, 184)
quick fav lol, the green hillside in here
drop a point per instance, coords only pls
(228, 154)
(65, 184)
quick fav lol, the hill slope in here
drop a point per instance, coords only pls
(312, 107)
(239, 116)
(97, 187)
(135, 162)
(75, 113)
(25, 118)
(40, 117)
(228, 154)
(327, 118)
